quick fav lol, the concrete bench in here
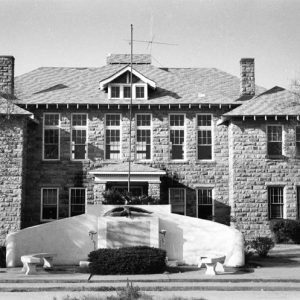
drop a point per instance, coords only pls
(30, 262)
(213, 263)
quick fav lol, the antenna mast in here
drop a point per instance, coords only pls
(130, 107)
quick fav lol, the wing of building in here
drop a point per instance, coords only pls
(211, 144)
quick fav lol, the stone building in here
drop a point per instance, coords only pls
(212, 145)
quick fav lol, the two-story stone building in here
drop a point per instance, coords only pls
(212, 145)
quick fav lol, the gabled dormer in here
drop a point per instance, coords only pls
(118, 85)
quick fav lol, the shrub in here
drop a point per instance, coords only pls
(128, 260)
(286, 231)
(262, 245)
(249, 251)
(2, 257)
(112, 196)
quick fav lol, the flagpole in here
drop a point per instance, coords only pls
(130, 107)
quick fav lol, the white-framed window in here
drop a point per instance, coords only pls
(51, 136)
(204, 137)
(112, 136)
(177, 136)
(143, 136)
(177, 199)
(274, 138)
(77, 201)
(297, 138)
(205, 204)
(79, 134)
(122, 91)
(276, 204)
(49, 203)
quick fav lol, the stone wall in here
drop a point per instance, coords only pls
(252, 171)
(12, 139)
(65, 173)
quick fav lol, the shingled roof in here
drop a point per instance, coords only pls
(8, 108)
(274, 102)
(125, 59)
(173, 86)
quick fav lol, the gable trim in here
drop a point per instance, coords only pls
(105, 82)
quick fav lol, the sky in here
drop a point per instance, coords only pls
(206, 33)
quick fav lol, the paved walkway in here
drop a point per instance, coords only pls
(277, 274)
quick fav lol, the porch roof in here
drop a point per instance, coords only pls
(122, 168)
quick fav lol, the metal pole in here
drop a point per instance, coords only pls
(130, 107)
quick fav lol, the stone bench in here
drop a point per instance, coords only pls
(213, 263)
(31, 261)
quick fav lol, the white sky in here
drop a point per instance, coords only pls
(208, 33)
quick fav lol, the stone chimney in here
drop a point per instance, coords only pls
(7, 66)
(247, 86)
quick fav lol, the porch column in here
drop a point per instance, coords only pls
(154, 190)
(99, 188)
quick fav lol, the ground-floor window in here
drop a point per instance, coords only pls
(205, 203)
(49, 204)
(177, 199)
(275, 199)
(77, 201)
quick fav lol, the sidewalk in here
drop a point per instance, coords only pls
(278, 272)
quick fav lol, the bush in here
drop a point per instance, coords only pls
(128, 260)
(286, 231)
(2, 257)
(262, 245)
(112, 196)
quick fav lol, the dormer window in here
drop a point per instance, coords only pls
(140, 92)
(115, 91)
(122, 91)
(126, 91)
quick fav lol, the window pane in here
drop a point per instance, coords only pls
(176, 120)
(143, 120)
(204, 120)
(112, 120)
(49, 204)
(177, 200)
(77, 202)
(275, 198)
(79, 119)
(126, 91)
(112, 144)
(51, 120)
(143, 144)
(115, 92)
(205, 204)
(139, 92)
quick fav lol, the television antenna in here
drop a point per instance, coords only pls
(150, 43)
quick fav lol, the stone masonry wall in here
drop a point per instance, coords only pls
(65, 173)
(12, 138)
(7, 74)
(252, 173)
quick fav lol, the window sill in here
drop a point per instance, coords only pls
(276, 157)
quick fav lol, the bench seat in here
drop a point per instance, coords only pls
(30, 262)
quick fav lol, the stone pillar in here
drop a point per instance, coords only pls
(7, 65)
(99, 188)
(247, 77)
(154, 190)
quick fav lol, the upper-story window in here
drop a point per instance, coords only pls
(143, 136)
(79, 130)
(112, 136)
(204, 136)
(126, 91)
(140, 92)
(115, 91)
(51, 136)
(177, 136)
(274, 134)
